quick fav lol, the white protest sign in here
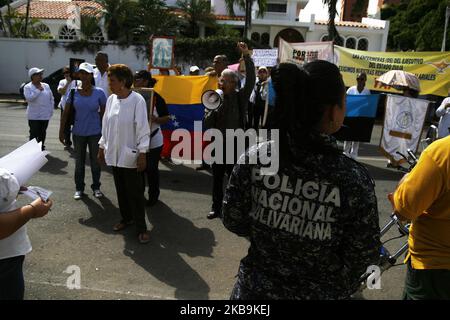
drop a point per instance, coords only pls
(304, 52)
(265, 57)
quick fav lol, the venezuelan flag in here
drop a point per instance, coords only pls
(183, 97)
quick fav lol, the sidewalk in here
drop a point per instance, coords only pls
(11, 98)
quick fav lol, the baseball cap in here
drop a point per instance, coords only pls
(9, 189)
(33, 71)
(263, 68)
(194, 69)
(86, 67)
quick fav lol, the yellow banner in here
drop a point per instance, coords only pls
(432, 68)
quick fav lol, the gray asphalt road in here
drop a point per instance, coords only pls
(189, 257)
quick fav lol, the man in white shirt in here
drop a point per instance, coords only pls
(444, 113)
(101, 72)
(351, 147)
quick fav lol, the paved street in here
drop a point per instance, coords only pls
(189, 257)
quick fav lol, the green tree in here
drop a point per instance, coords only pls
(115, 13)
(416, 25)
(247, 5)
(196, 12)
(154, 18)
(16, 25)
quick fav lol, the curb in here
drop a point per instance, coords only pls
(12, 101)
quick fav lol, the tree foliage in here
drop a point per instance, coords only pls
(196, 12)
(416, 25)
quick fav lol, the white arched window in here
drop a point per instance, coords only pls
(43, 31)
(97, 36)
(67, 33)
(350, 43)
(363, 44)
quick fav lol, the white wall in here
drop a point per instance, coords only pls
(19, 55)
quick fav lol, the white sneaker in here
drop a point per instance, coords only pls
(78, 195)
(98, 194)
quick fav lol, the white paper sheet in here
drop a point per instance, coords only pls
(25, 161)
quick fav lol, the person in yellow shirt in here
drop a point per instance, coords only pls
(423, 196)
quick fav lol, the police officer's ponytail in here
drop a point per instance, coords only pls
(302, 96)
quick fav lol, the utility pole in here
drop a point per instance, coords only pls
(447, 16)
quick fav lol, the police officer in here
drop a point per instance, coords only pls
(313, 224)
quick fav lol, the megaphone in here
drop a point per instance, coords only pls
(212, 99)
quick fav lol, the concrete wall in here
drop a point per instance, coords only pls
(19, 55)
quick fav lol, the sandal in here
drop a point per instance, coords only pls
(144, 237)
(121, 226)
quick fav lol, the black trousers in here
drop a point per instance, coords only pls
(130, 195)
(218, 171)
(38, 130)
(12, 286)
(152, 173)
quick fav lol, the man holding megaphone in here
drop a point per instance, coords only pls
(227, 110)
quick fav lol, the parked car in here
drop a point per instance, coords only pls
(52, 80)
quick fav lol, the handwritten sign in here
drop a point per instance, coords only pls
(265, 57)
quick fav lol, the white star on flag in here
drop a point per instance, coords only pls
(176, 124)
(173, 117)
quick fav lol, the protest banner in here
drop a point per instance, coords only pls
(265, 57)
(304, 52)
(431, 68)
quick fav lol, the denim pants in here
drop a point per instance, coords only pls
(12, 286)
(80, 144)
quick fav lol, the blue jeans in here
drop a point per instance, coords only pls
(80, 144)
(12, 286)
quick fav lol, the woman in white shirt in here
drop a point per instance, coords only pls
(40, 105)
(14, 241)
(123, 146)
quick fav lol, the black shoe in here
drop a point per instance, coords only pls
(212, 215)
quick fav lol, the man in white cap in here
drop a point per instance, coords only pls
(40, 105)
(194, 71)
(14, 241)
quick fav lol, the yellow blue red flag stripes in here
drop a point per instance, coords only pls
(183, 97)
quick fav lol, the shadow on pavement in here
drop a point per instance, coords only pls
(181, 180)
(103, 217)
(172, 235)
(54, 165)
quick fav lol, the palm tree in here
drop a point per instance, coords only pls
(333, 34)
(27, 16)
(115, 12)
(196, 11)
(247, 6)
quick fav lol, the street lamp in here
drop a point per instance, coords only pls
(447, 15)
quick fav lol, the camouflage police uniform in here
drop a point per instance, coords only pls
(313, 226)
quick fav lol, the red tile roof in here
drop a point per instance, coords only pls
(351, 24)
(58, 9)
(234, 18)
